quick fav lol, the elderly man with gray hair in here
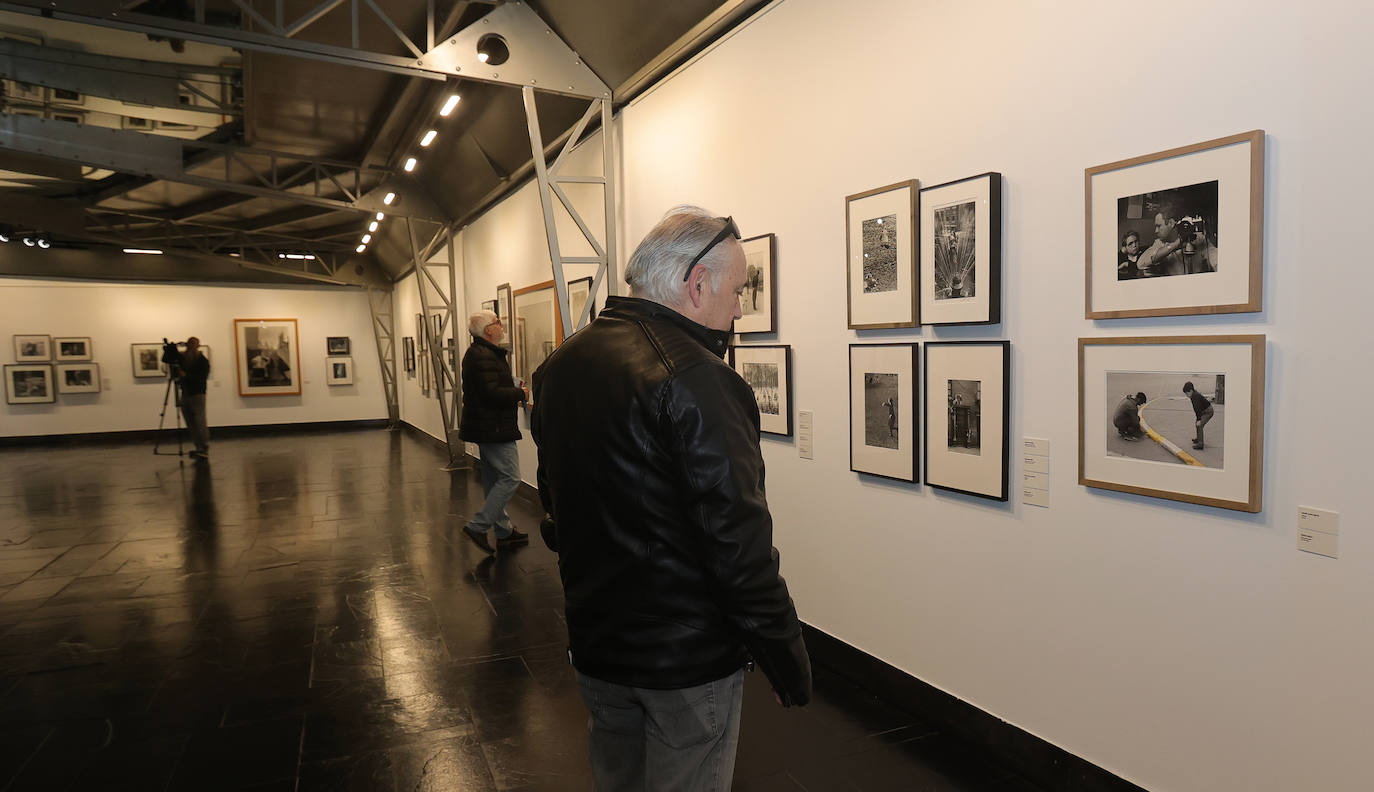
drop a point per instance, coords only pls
(489, 405)
(650, 467)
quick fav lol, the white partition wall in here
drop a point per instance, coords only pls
(1181, 647)
(115, 315)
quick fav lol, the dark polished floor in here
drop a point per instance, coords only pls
(298, 614)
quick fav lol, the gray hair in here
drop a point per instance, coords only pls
(659, 263)
(477, 323)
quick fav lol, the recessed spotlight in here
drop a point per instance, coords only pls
(4, 239)
(429, 137)
(449, 105)
(372, 226)
(483, 57)
(28, 241)
(144, 251)
(43, 243)
(391, 196)
(360, 248)
(410, 164)
(367, 238)
(381, 216)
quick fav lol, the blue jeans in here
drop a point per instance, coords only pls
(681, 740)
(500, 465)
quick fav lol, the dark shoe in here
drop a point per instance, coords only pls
(517, 538)
(479, 539)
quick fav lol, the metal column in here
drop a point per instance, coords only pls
(439, 297)
(384, 330)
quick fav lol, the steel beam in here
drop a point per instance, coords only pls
(439, 297)
(382, 308)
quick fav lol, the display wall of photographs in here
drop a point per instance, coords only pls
(267, 354)
(147, 360)
(882, 414)
(505, 310)
(338, 345)
(1179, 232)
(1175, 417)
(71, 349)
(961, 251)
(881, 229)
(338, 370)
(758, 304)
(32, 348)
(967, 410)
(29, 384)
(768, 371)
(78, 378)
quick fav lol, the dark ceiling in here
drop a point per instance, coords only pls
(367, 119)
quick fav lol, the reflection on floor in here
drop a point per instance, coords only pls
(298, 614)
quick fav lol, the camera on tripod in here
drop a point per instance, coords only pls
(171, 355)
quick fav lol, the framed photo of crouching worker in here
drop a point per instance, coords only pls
(768, 370)
(967, 410)
(882, 412)
(1176, 417)
(961, 251)
(267, 354)
(880, 244)
(1179, 232)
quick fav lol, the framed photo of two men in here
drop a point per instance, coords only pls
(1178, 232)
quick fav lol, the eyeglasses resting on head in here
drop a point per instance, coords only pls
(730, 229)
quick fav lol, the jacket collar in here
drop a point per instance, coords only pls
(635, 308)
(489, 345)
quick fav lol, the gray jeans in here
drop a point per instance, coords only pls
(193, 408)
(680, 740)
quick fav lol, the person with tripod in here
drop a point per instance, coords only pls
(195, 370)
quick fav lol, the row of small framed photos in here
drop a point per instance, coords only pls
(39, 383)
(966, 442)
(46, 349)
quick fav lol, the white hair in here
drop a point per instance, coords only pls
(658, 265)
(477, 323)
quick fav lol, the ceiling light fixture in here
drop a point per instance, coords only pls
(28, 241)
(391, 196)
(367, 238)
(428, 138)
(4, 238)
(360, 248)
(144, 251)
(492, 49)
(44, 243)
(372, 226)
(381, 216)
(297, 256)
(410, 164)
(449, 105)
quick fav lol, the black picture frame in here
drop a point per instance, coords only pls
(20, 393)
(989, 477)
(903, 358)
(778, 422)
(761, 255)
(984, 305)
(408, 354)
(338, 345)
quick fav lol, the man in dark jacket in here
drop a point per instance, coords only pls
(649, 463)
(195, 371)
(489, 404)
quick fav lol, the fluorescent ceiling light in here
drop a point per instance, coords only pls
(429, 137)
(391, 196)
(296, 256)
(144, 251)
(410, 164)
(381, 216)
(372, 226)
(367, 238)
(449, 105)
(360, 248)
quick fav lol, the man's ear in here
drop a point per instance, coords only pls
(696, 287)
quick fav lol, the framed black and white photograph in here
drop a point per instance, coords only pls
(538, 329)
(768, 370)
(436, 328)
(882, 412)
(175, 126)
(579, 293)
(32, 348)
(967, 409)
(408, 354)
(758, 303)
(338, 345)
(267, 354)
(338, 370)
(1175, 417)
(421, 334)
(489, 305)
(1179, 232)
(16, 91)
(505, 311)
(71, 349)
(961, 251)
(66, 116)
(65, 97)
(147, 360)
(29, 384)
(880, 242)
(78, 378)
(135, 123)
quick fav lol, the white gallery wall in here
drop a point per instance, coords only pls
(116, 315)
(1181, 647)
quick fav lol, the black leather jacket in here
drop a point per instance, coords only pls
(489, 395)
(649, 463)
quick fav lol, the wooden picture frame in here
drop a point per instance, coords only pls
(71, 349)
(1150, 446)
(883, 434)
(29, 384)
(33, 348)
(78, 378)
(338, 345)
(538, 329)
(338, 370)
(881, 229)
(267, 357)
(1213, 196)
(146, 360)
(967, 417)
(961, 251)
(759, 303)
(768, 371)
